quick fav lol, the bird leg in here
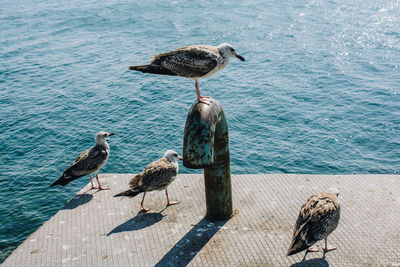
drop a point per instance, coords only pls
(169, 203)
(91, 181)
(144, 210)
(200, 98)
(312, 249)
(326, 248)
(98, 182)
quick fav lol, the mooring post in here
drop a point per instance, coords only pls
(206, 146)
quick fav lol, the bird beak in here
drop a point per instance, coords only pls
(240, 57)
(180, 158)
(110, 134)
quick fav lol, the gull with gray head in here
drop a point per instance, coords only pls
(158, 175)
(317, 219)
(88, 162)
(196, 61)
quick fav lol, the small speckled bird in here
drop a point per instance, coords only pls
(156, 176)
(318, 217)
(88, 162)
(195, 61)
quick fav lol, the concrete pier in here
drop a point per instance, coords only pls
(96, 229)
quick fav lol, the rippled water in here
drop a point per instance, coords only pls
(318, 93)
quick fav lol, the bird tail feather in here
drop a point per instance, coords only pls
(297, 246)
(129, 193)
(61, 181)
(155, 69)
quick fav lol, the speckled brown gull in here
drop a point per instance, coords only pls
(317, 219)
(88, 162)
(196, 61)
(156, 176)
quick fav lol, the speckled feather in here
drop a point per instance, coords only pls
(190, 61)
(318, 217)
(156, 176)
(89, 161)
(195, 61)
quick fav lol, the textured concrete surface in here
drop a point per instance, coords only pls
(95, 229)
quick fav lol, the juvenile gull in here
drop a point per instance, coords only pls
(156, 176)
(318, 217)
(88, 162)
(196, 61)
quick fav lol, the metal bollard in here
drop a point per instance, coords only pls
(206, 145)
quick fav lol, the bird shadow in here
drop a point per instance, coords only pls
(320, 262)
(188, 247)
(140, 221)
(78, 200)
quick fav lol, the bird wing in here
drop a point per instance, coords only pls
(190, 61)
(158, 174)
(82, 156)
(310, 224)
(88, 161)
(135, 181)
(313, 212)
(324, 204)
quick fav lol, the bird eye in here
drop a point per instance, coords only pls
(232, 49)
(175, 155)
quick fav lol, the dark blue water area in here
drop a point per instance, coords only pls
(318, 93)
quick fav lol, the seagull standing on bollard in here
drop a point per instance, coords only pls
(196, 61)
(156, 176)
(317, 219)
(88, 162)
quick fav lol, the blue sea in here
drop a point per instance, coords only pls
(319, 92)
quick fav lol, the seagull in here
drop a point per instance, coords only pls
(196, 61)
(318, 217)
(156, 176)
(88, 162)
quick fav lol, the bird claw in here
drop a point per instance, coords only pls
(103, 188)
(205, 100)
(172, 203)
(144, 210)
(329, 248)
(100, 187)
(312, 249)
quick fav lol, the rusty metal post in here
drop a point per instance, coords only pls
(206, 146)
